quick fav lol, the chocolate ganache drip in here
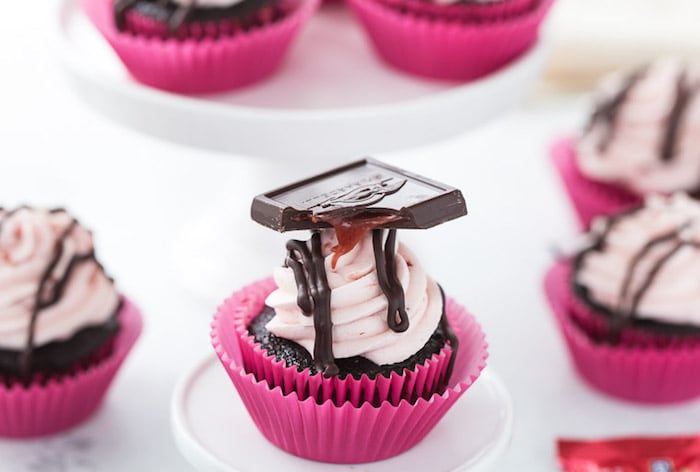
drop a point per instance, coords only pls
(51, 290)
(629, 302)
(314, 297)
(314, 293)
(51, 286)
(683, 95)
(121, 7)
(385, 263)
(46, 296)
(450, 335)
(177, 13)
(607, 111)
(179, 16)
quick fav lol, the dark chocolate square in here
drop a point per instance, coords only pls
(363, 189)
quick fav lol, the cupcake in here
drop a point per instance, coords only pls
(64, 329)
(627, 303)
(202, 46)
(451, 40)
(351, 341)
(643, 137)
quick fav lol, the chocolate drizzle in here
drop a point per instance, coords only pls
(121, 7)
(314, 294)
(683, 95)
(607, 111)
(50, 289)
(626, 312)
(314, 297)
(180, 15)
(389, 282)
(176, 15)
(450, 336)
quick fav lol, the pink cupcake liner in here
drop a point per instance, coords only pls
(645, 374)
(421, 382)
(444, 49)
(465, 12)
(63, 402)
(344, 432)
(589, 198)
(201, 66)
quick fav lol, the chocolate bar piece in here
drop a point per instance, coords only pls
(366, 189)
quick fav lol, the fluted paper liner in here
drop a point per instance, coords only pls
(588, 197)
(201, 66)
(444, 49)
(635, 368)
(422, 381)
(62, 402)
(341, 431)
(465, 11)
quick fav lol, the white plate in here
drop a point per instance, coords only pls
(214, 432)
(331, 99)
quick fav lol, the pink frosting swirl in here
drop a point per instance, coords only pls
(673, 295)
(37, 244)
(359, 307)
(627, 150)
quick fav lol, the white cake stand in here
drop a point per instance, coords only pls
(213, 431)
(332, 98)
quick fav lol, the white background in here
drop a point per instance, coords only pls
(138, 193)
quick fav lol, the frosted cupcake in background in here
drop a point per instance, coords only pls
(628, 304)
(643, 137)
(351, 342)
(64, 329)
(199, 46)
(451, 40)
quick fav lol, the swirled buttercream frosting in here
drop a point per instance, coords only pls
(644, 133)
(51, 285)
(644, 264)
(359, 305)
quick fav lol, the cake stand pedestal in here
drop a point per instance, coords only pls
(332, 99)
(213, 431)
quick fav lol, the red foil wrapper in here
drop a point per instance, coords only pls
(635, 454)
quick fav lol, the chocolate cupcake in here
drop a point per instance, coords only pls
(451, 40)
(643, 137)
(202, 46)
(64, 329)
(60, 307)
(351, 327)
(628, 304)
(363, 340)
(637, 272)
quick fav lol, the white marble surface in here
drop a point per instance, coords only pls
(138, 193)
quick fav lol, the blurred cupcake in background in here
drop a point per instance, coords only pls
(448, 39)
(628, 304)
(642, 137)
(199, 46)
(64, 329)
